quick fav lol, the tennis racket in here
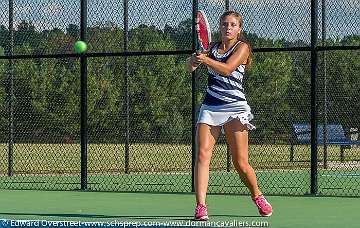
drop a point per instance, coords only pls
(203, 32)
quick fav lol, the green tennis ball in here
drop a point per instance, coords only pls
(80, 47)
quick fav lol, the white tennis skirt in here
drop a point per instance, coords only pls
(221, 114)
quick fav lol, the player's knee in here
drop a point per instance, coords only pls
(242, 166)
(204, 155)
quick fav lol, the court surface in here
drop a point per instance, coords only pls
(114, 209)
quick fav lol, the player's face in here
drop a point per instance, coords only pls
(230, 27)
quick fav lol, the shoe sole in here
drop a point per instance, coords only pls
(266, 215)
(203, 218)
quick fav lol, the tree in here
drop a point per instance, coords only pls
(160, 89)
(343, 69)
(181, 35)
(26, 34)
(267, 89)
(47, 90)
(3, 96)
(55, 100)
(105, 84)
(24, 117)
(105, 38)
(55, 41)
(73, 31)
(4, 40)
(105, 100)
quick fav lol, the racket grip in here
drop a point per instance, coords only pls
(199, 51)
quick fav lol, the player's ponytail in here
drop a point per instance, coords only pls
(242, 38)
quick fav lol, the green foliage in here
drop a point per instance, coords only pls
(181, 35)
(73, 31)
(343, 87)
(105, 103)
(105, 38)
(3, 105)
(55, 99)
(159, 88)
(299, 91)
(47, 91)
(55, 41)
(267, 88)
(4, 36)
(27, 35)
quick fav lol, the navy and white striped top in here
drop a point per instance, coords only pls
(222, 89)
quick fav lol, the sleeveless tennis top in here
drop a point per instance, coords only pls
(222, 89)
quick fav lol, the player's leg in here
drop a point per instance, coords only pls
(237, 138)
(206, 137)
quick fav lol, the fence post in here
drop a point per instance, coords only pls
(83, 98)
(325, 119)
(193, 100)
(314, 65)
(228, 152)
(11, 90)
(126, 69)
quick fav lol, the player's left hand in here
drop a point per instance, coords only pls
(200, 58)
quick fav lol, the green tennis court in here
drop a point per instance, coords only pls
(162, 198)
(175, 209)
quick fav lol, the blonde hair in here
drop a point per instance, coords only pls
(241, 36)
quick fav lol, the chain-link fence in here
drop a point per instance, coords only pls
(136, 133)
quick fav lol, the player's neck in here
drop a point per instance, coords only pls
(226, 45)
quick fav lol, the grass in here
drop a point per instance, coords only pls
(167, 168)
(109, 158)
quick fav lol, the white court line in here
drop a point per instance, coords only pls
(341, 175)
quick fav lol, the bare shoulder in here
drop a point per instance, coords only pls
(242, 52)
(242, 47)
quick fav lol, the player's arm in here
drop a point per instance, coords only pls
(239, 56)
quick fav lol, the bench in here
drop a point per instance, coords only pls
(335, 136)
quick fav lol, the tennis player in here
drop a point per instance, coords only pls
(225, 109)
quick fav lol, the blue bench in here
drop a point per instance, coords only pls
(335, 136)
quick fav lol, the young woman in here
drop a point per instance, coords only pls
(225, 107)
